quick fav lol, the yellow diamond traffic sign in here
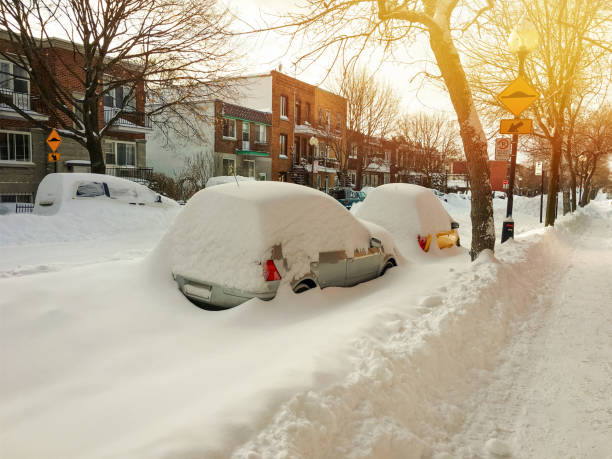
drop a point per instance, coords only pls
(518, 96)
(53, 157)
(54, 140)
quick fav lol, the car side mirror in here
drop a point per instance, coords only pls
(375, 243)
(454, 225)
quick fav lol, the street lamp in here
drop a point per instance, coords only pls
(314, 142)
(522, 40)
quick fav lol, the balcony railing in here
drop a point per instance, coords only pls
(136, 174)
(22, 100)
(128, 119)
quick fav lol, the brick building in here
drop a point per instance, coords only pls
(308, 127)
(23, 150)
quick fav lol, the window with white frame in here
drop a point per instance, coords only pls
(353, 177)
(388, 157)
(120, 153)
(229, 166)
(260, 133)
(13, 78)
(283, 107)
(229, 128)
(15, 146)
(120, 97)
(354, 152)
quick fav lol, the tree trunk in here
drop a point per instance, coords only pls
(553, 182)
(473, 138)
(566, 199)
(94, 146)
(573, 190)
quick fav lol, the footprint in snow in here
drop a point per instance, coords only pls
(497, 448)
(430, 301)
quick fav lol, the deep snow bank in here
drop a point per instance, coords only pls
(413, 367)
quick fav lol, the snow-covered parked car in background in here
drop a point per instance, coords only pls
(235, 242)
(413, 215)
(69, 189)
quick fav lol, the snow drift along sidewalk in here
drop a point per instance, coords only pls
(414, 368)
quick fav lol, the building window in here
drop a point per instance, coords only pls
(354, 152)
(338, 122)
(353, 177)
(121, 97)
(283, 145)
(13, 78)
(307, 114)
(320, 116)
(229, 166)
(15, 146)
(261, 176)
(260, 133)
(120, 153)
(388, 157)
(229, 128)
(283, 107)
(328, 119)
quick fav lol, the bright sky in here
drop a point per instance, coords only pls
(270, 50)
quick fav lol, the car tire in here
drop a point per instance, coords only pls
(388, 265)
(458, 243)
(303, 286)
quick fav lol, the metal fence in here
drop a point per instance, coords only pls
(21, 203)
(136, 174)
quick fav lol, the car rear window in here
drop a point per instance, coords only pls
(90, 190)
(337, 194)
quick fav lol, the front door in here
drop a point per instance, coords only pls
(364, 265)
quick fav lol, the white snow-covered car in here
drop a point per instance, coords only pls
(234, 242)
(413, 215)
(73, 190)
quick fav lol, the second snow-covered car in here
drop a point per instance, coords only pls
(413, 215)
(234, 242)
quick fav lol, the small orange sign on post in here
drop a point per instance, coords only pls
(54, 141)
(516, 126)
(53, 157)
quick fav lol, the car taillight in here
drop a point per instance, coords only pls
(270, 273)
(346, 202)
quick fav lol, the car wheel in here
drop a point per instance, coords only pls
(304, 285)
(388, 265)
(458, 242)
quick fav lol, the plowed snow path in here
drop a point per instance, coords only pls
(551, 395)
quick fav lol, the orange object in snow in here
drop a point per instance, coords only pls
(447, 239)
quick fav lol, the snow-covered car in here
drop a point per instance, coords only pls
(235, 242)
(58, 191)
(413, 215)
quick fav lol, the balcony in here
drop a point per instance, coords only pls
(24, 101)
(127, 121)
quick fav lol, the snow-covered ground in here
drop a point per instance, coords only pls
(510, 354)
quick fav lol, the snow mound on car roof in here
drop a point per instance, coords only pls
(224, 232)
(221, 179)
(406, 211)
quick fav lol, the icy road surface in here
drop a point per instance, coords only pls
(508, 355)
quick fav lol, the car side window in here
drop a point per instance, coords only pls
(90, 190)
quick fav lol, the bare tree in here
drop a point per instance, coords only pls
(174, 49)
(372, 111)
(196, 171)
(345, 28)
(568, 69)
(594, 139)
(435, 138)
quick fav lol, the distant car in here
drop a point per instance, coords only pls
(499, 194)
(235, 242)
(413, 215)
(361, 195)
(346, 196)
